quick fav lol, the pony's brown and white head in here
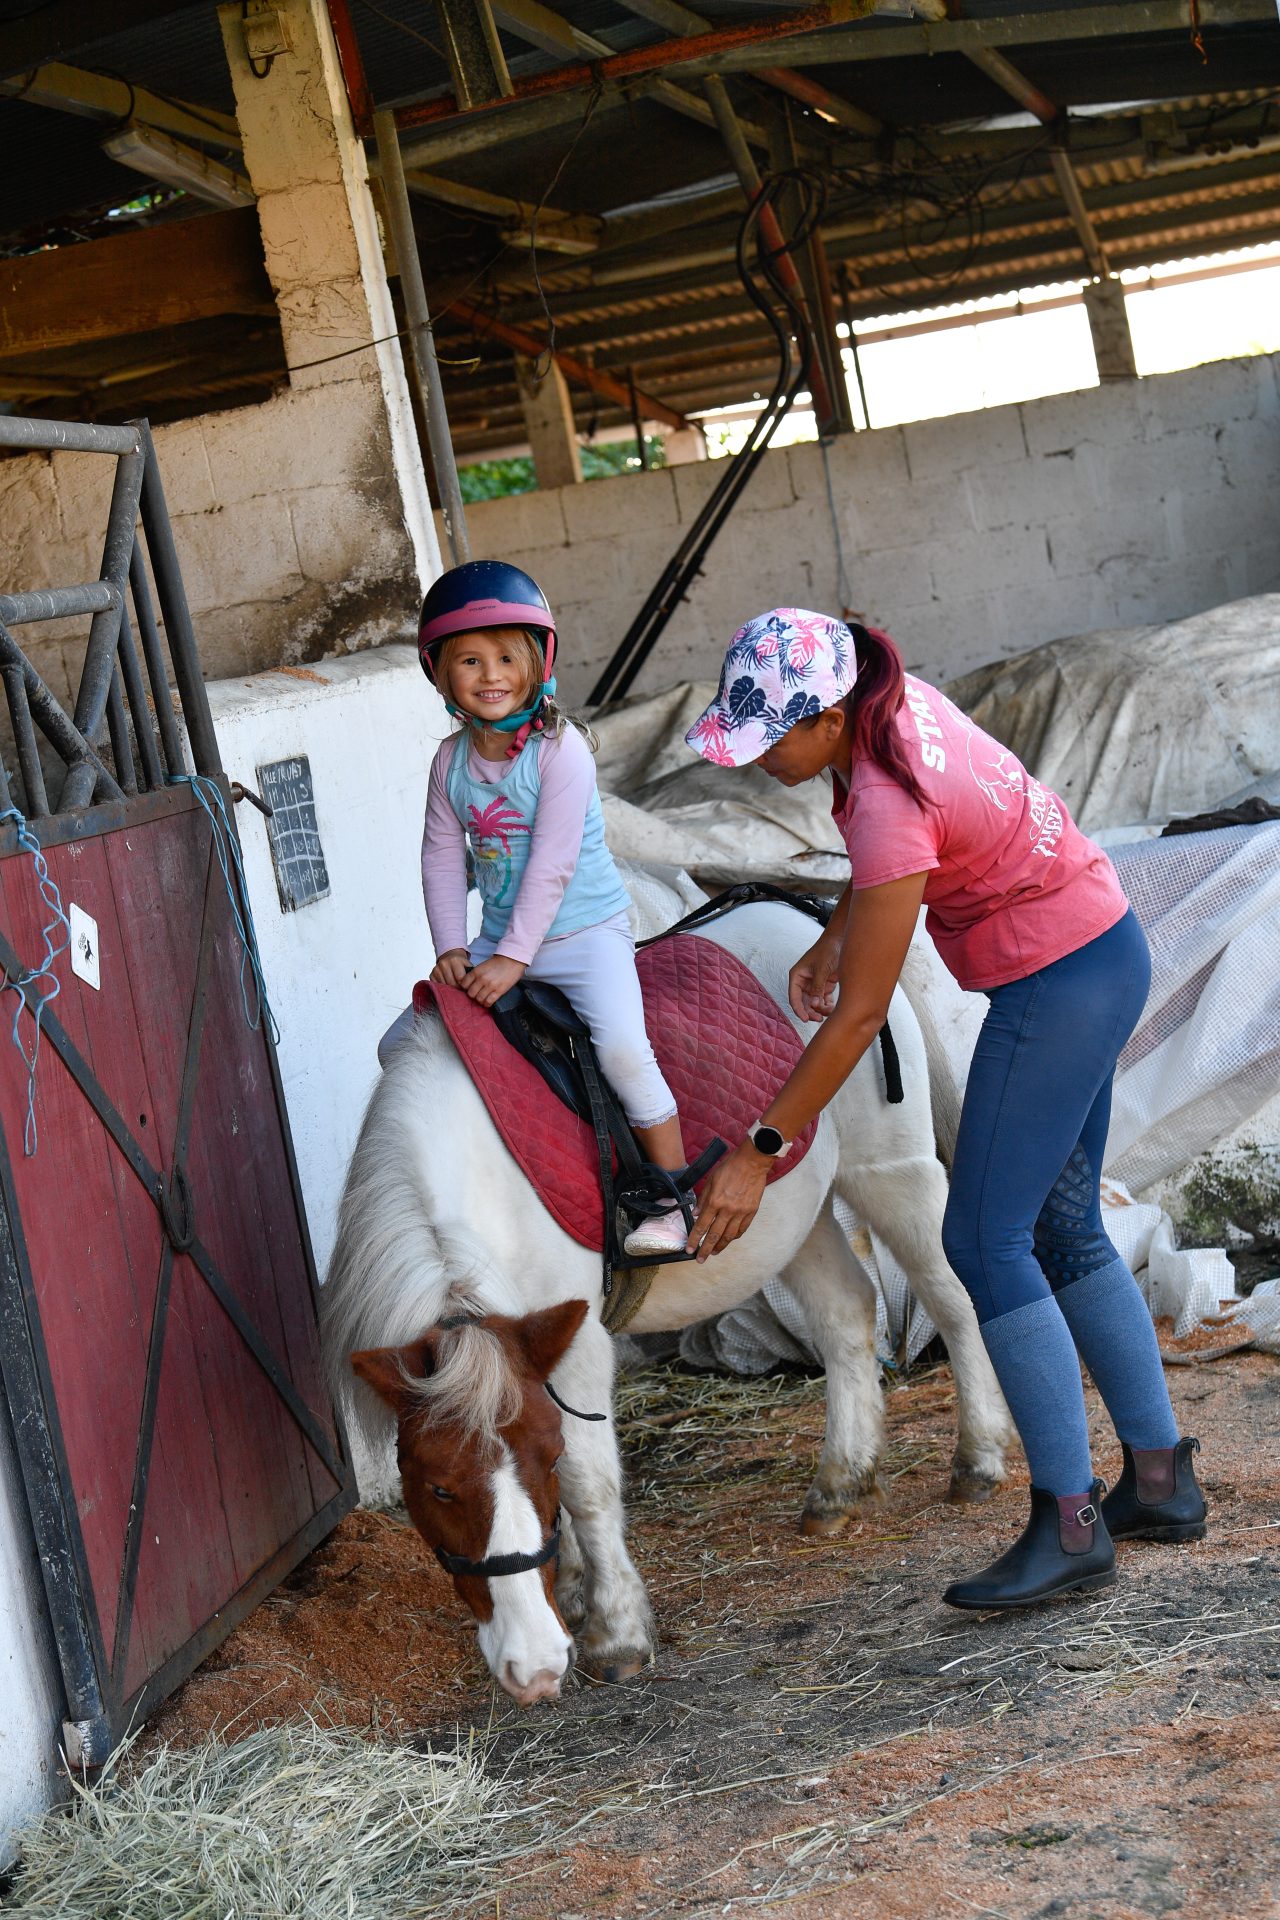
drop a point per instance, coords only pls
(477, 1444)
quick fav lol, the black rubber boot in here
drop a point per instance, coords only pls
(1157, 1496)
(1064, 1546)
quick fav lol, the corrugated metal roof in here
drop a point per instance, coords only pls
(928, 213)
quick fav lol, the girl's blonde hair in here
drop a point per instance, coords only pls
(526, 650)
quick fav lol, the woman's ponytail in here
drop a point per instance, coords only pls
(873, 705)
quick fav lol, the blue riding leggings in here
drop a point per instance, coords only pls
(1023, 1227)
(1024, 1215)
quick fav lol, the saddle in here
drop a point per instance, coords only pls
(723, 1045)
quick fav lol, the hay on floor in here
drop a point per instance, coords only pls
(299, 1819)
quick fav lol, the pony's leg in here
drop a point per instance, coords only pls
(903, 1203)
(617, 1637)
(839, 1305)
(570, 1575)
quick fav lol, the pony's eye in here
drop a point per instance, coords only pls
(442, 1493)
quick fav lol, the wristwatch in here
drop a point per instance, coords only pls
(767, 1140)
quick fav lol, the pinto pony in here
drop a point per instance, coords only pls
(474, 1319)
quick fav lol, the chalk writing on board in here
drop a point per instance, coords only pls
(292, 830)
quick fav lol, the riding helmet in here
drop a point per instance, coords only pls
(479, 594)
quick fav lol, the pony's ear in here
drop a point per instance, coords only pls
(545, 1337)
(385, 1369)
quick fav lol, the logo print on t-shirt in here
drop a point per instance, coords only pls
(491, 830)
(1002, 779)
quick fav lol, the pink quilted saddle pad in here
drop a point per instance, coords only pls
(723, 1046)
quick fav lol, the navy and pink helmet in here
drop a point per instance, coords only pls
(480, 594)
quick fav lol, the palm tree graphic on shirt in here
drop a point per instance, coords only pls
(491, 830)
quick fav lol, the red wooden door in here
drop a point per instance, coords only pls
(157, 1289)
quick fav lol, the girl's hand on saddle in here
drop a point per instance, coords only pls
(730, 1201)
(811, 983)
(452, 968)
(492, 978)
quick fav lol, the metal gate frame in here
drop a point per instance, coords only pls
(148, 780)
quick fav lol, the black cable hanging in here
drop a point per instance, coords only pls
(784, 311)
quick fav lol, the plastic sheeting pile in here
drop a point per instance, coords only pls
(1133, 728)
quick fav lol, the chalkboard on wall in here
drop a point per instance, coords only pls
(294, 835)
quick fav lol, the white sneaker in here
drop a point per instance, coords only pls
(660, 1233)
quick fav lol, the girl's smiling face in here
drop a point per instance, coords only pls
(489, 674)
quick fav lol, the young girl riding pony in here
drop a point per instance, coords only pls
(517, 784)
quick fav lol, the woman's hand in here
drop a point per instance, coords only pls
(730, 1200)
(811, 983)
(452, 968)
(492, 978)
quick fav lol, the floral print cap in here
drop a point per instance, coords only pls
(782, 667)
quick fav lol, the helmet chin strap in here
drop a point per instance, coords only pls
(522, 724)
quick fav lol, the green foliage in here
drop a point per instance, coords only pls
(494, 479)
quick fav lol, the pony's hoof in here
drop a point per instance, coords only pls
(971, 1487)
(830, 1505)
(816, 1524)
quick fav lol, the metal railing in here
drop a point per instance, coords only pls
(122, 736)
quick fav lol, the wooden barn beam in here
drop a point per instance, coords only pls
(101, 96)
(682, 21)
(477, 64)
(841, 45)
(135, 282)
(489, 326)
(567, 233)
(551, 33)
(801, 39)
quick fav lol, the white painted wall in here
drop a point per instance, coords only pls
(31, 1699)
(341, 969)
(967, 537)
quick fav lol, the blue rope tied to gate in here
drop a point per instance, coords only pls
(227, 848)
(44, 973)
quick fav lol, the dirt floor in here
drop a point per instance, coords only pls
(819, 1734)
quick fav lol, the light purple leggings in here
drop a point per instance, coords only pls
(596, 971)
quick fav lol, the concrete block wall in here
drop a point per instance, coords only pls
(968, 538)
(288, 523)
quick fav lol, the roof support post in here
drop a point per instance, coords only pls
(548, 421)
(322, 248)
(1104, 297)
(1109, 324)
(425, 365)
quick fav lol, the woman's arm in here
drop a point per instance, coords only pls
(880, 923)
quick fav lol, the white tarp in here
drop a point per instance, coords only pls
(1140, 724)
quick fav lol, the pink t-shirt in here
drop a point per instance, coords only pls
(1012, 882)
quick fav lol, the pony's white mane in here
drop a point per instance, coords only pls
(394, 1273)
(474, 1383)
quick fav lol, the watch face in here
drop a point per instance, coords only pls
(767, 1140)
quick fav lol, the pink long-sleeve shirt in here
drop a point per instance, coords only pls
(568, 779)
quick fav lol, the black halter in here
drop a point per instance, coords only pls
(495, 1565)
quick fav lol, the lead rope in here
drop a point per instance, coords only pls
(28, 978)
(209, 794)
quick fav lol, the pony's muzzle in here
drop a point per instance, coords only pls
(525, 1688)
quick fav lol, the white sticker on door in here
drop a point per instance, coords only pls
(84, 946)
